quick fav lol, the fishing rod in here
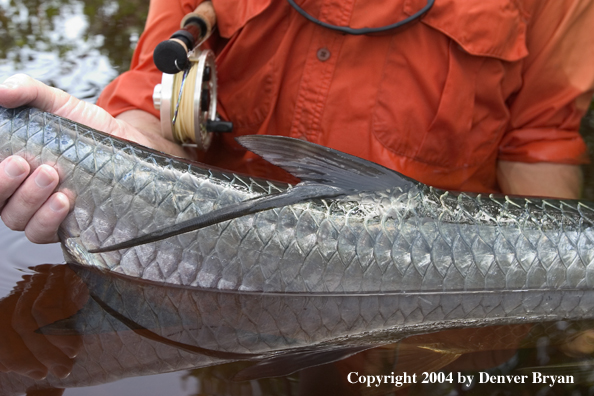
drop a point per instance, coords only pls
(187, 95)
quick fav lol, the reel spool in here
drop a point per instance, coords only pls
(187, 95)
(187, 101)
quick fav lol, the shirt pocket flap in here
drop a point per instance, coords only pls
(232, 15)
(493, 28)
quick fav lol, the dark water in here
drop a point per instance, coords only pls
(80, 47)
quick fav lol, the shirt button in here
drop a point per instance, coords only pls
(323, 54)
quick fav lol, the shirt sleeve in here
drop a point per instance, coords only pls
(134, 89)
(557, 86)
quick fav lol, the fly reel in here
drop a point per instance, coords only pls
(187, 102)
(187, 95)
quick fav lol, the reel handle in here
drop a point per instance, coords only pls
(219, 126)
(171, 56)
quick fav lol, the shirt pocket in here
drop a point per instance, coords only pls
(246, 65)
(425, 103)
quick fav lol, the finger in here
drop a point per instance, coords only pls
(20, 89)
(13, 170)
(14, 354)
(24, 323)
(29, 197)
(43, 226)
(64, 295)
(44, 351)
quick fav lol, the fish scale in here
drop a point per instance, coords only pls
(390, 240)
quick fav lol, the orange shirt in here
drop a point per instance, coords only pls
(441, 101)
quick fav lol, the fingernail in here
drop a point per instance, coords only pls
(61, 371)
(43, 178)
(57, 204)
(36, 374)
(8, 84)
(15, 167)
(69, 351)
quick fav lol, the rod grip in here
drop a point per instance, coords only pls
(171, 56)
(205, 12)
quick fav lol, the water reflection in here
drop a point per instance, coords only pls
(73, 45)
(73, 326)
(95, 335)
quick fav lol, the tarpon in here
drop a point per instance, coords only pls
(376, 255)
(349, 226)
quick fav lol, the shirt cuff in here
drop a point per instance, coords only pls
(544, 145)
(132, 90)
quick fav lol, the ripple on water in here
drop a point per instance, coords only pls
(18, 255)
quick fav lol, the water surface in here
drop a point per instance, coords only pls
(79, 47)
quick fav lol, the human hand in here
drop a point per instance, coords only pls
(541, 179)
(28, 200)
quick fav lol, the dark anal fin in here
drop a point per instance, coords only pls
(325, 173)
(289, 197)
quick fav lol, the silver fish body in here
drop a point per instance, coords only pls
(408, 238)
